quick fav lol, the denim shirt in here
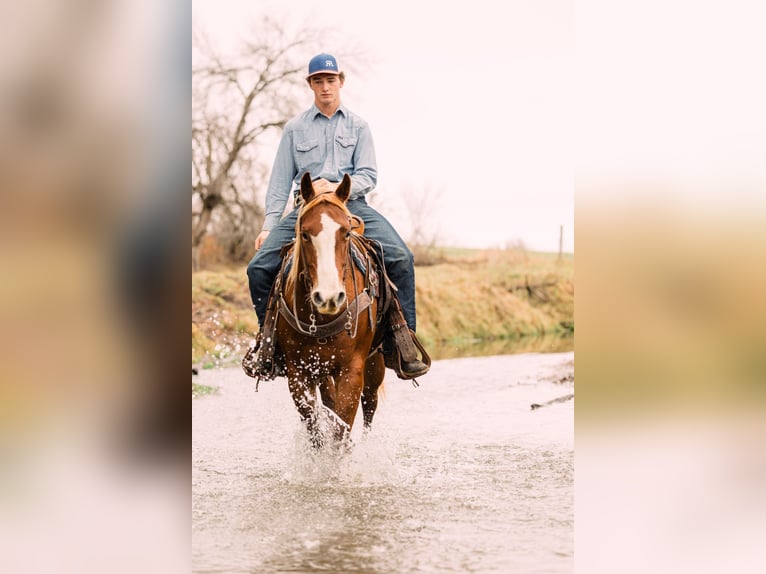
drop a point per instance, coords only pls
(326, 148)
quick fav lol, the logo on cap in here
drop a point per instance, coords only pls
(323, 63)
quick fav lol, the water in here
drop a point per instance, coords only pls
(548, 343)
(459, 475)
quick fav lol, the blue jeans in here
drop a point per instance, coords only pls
(264, 266)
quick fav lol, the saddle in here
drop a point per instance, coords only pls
(398, 344)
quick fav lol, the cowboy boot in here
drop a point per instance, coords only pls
(403, 356)
(258, 362)
(264, 361)
(250, 360)
(400, 349)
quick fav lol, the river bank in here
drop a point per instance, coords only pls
(467, 300)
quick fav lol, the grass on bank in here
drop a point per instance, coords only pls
(223, 320)
(495, 294)
(202, 390)
(462, 295)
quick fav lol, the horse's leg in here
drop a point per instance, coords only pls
(348, 390)
(327, 391)
(374, 371)
(304, 397)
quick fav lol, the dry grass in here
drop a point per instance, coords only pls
(463, 296)
(495, 294)
(223, 320)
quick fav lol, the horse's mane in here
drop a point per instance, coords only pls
(322, 198)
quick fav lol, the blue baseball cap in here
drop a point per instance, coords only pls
(323, 64)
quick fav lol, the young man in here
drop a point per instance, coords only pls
(328, 141)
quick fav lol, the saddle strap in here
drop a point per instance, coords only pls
(385, 286)
(324, 330)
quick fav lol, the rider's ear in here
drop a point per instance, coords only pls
(344, 189)
(307, 189)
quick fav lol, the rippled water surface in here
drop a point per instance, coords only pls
(459, 475)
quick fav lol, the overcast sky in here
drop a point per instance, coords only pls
(480, 102)
(468, 100)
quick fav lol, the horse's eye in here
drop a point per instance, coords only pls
(348, 234)
(304, 236)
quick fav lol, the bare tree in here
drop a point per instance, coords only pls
(238, 103)
(239, 219)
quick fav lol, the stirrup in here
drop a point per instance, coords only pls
(394, 360)
(258, 367)
(249, 361)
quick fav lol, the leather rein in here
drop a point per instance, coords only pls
(348, 321)
(343, 322)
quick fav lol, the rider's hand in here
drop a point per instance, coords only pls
(260, 239)
(322, 185)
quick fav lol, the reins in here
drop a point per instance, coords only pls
(348, 321)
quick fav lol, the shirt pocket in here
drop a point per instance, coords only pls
(345, 146)
(306, 154)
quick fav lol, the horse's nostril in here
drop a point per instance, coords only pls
(317, 298)
(341, 298)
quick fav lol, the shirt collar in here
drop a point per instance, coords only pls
(314, 111)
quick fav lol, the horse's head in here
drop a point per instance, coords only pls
(322, 234)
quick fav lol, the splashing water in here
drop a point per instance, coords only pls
(459, 475)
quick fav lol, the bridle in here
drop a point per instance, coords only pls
(348, 321)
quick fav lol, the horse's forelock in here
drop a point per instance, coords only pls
(327, 197)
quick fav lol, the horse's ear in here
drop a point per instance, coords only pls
(344, 189)
(307, 189)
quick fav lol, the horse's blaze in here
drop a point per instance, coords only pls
(328, 292)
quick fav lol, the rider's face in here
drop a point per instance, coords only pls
(326, 88)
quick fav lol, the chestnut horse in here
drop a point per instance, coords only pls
(330, 309)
